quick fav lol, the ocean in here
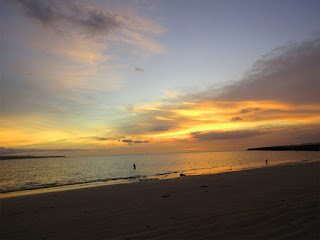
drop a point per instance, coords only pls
(25, 176)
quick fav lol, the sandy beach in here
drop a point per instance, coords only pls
(276, 202)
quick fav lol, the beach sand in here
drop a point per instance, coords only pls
(275, 202)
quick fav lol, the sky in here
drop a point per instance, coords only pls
(99, 77)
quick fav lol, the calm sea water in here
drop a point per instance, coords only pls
(46, 173)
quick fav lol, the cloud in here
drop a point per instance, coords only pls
(226, 135)
(246, 110)
(287, 74)
(159, 129)
(101, 138)
(169, 94)
(290, 74)
(56, 12)
(89, 20)
(136, 69)
(130, 141)
(236, 119)
(141, 141)
(63, 55)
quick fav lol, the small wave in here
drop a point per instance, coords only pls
(29, 186)
(306, 160)
(166, 173)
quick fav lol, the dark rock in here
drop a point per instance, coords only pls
(166, 195)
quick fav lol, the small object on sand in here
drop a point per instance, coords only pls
(204, 186)
(182, 175)
(166, 195)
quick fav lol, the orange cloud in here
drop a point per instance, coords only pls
(164, 121)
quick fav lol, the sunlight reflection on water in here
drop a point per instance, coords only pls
(24, 174)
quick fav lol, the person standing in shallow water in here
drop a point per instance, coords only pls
(134, 166)
(266, 161)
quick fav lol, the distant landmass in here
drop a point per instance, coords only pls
(298, 147)
(27, 156)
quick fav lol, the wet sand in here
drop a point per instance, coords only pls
(280, 202)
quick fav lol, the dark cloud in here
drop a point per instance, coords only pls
(138, 69)
(236, 119)
(304, 134)
(130, 141)
(225, 135)
(127, 141)
(160, 129)
(69, 13)
(141, 141)
(290, 74)
(101, 138)
(246, 110)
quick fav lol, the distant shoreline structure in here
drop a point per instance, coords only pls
(297, 147)
(26, 156)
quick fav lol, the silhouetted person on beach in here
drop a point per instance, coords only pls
(134, 166)
(266, 161)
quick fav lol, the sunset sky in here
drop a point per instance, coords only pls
(95, 77)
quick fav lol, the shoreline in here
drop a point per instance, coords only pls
(71, 187)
